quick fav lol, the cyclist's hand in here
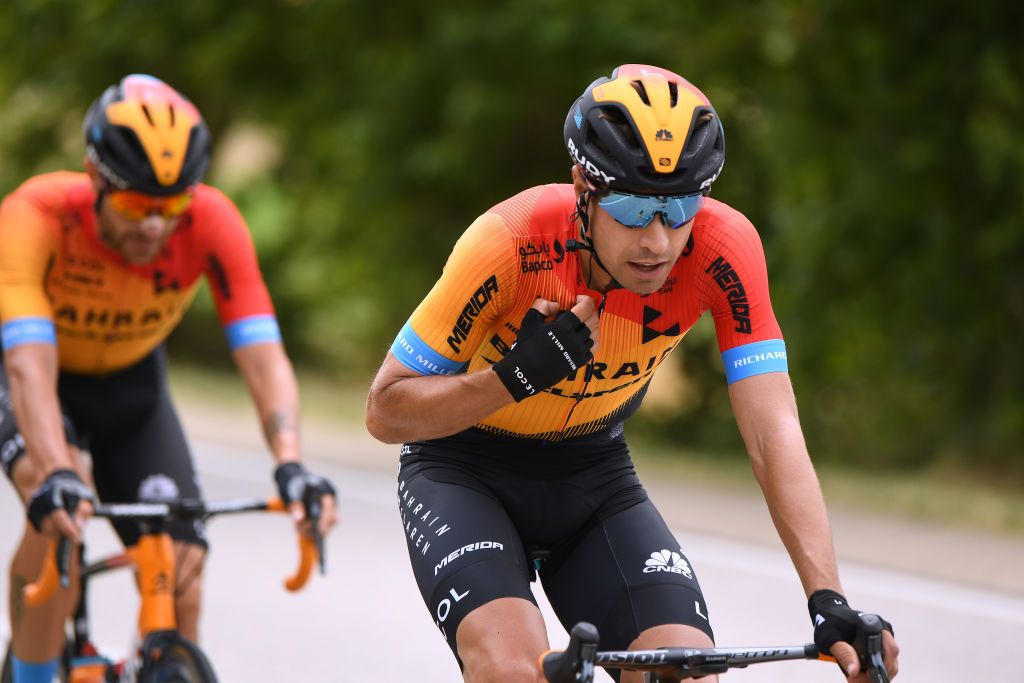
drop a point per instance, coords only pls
(60, 506)
(304, 492)
(844, 652)
(545, 353)
(835, 628)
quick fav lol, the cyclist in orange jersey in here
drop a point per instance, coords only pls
(96, 269)
(510, 383)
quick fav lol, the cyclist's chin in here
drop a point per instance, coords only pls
(643, 283)
(140, 252)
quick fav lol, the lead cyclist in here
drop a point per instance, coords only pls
(511, 381)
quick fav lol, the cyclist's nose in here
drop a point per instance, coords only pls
(153, 224)
(655, 237)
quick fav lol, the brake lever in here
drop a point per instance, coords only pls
(311, 501)
(868, 644)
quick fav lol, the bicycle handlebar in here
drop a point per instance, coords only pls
(310, 549)
(55, 570)
(576, 663)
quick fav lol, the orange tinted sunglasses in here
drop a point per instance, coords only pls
(137, 206)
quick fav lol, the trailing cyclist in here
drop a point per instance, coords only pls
(96, 269)
(510, 383)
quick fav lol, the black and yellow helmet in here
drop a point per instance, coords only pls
(646, 130)
(143, 135)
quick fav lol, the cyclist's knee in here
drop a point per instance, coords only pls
(667, 635)
(671, 635)
(27, 475)
(501, 641)
(516, 669)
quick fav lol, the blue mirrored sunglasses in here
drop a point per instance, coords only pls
(636, 210)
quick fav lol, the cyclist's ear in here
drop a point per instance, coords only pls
(94, 175)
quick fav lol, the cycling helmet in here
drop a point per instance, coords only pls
(143, 135)
(646, 130)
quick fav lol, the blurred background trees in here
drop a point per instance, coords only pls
(875, 145)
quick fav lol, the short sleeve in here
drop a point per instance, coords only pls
(28, 243)
(232, 269)
(749, 337)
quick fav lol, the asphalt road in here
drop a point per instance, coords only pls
(365, 621)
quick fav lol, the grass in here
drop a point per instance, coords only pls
(944, 494)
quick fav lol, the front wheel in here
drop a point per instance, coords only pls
(170, 658)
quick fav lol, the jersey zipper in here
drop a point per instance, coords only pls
(588, 369)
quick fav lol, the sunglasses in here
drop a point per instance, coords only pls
(138, 206)
(636, 210)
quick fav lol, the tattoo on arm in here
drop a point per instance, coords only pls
(277, 422)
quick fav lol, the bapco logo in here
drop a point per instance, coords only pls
(668, 561)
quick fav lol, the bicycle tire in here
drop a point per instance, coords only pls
(170, 658)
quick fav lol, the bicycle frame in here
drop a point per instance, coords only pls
(154, 561)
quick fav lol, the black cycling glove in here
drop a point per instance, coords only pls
(544, 353)
(834, 619)
(62, 489)
(295, 482)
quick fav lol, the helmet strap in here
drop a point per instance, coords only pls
(99, 200)
(583, 216)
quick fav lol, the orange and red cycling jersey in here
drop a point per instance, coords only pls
(60, 284)
(516, 252)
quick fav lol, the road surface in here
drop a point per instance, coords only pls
(365, 620)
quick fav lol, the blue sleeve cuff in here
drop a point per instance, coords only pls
(415, 354)
(256, 329)
(28, 331)
(755, 359)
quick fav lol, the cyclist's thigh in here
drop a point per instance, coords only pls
(626, 574)
(464, 549)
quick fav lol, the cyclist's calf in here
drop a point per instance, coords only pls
(188, 587)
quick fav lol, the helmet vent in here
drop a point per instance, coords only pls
(641, 91)
(701, 130)
(673, 94)
(149, 117)
(170, 109)
(616, 117)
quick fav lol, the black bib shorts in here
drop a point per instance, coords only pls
(483, 517)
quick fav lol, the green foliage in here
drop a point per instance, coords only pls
(875, 146)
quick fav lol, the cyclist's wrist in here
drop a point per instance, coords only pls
(293, 479)
(824, 597)
(62, 489)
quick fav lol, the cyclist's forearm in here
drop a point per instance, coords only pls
(797, 507)
(275, 391)
(766, 414)
(416, 408)
(32, 374)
